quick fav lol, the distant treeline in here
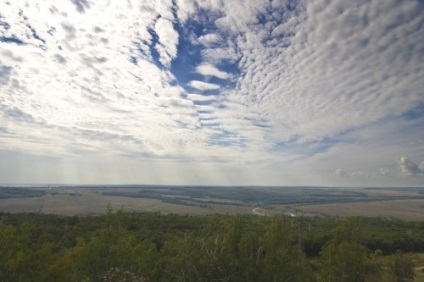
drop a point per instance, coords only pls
(12, 192)
(122, 246)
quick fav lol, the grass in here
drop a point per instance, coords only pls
(419, 267)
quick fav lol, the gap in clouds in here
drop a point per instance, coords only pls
(190, 52)
(152, 47)
(205, 89)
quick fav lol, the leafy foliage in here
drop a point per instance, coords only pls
(344, 258)
(402, 267)
(121, 246)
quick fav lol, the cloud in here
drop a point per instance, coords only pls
(81, 5)
(357, 173)
(185, 9)
(210, 70)
(95, 86)
(313, 88)
(203, 86)
(409, 168)
(5, 72)
(341, 172)
(201, 98)
(209, 39)
(168, 39)
(384, 172)
(228, 54)
(302, 84)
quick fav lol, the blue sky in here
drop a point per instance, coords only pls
(212, 92)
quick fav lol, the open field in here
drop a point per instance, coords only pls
(403, 203)
(402, 209)
(86, 201)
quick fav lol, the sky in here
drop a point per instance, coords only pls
(212, 92)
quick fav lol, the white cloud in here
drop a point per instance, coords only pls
(316, 85)
(201, 98)
(384, 172)
(209, 39)
(239, 15)
(329, 83)
(210, 70)
(227, 53)
(341, 172)
(97, 96)
(357, 173)
(168, 38)
(203, 86)
(185, 9)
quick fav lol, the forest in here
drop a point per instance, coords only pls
(128, 246)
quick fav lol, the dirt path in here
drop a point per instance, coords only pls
(258, 211)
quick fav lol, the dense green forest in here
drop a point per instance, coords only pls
(122, 246)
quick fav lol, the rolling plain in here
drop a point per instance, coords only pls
(406, 203)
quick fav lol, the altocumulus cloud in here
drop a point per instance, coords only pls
(275, 84)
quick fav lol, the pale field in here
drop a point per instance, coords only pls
(91, 201)
(394, 193)
(402, 209)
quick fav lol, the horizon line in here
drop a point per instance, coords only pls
(56, 185)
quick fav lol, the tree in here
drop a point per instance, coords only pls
(402, 267)
(344, 259)
(283, 260)
(15, 254)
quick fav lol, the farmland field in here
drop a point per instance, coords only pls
(403, 203)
